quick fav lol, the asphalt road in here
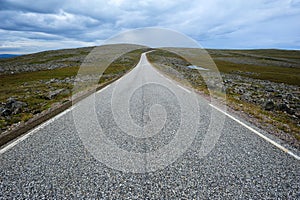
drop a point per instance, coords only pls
(146, 137)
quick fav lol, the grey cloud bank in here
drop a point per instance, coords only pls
(31, 26)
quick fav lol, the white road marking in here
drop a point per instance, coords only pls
(17, 141)
(294, 155)
(184, 88)
(12, 144)
(117, 81)
(256, 132)
(20, 139)
(169, 80)
(103, 89)
(243, 124)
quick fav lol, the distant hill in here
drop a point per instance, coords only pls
(8, 55)
(44, 60)
(12, 63)
(47, 60)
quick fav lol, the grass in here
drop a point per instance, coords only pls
(271, 73)
(273, 54)
(163, 59)
(222, 61)
(122, 65)
(19, 79)
(33, 87)
(279, 120)
(56, 56)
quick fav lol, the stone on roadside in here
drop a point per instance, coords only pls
(269, 105)
(12, 106)
(55, 93)
(246, 97)
(286, 108)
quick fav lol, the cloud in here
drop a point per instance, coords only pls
(58, 22)
(214, 24)
(25, 45)
(31, 5)
(154, 37)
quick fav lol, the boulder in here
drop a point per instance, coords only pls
(12, 106)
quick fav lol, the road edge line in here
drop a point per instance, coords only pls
(183, 88)
(48, 116)
(20, 132)
(23, 137)
(258, 133)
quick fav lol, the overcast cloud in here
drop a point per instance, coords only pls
(37, 25)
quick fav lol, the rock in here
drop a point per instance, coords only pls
(246, 97)
(36, 111)
(14, 103)
(269, 105)
(65, 92)
(12, 106)
(297, 114)
(285, 108)
(53, 80)
(55, 93)
(270, 90)
(238, 90)
(261, 101)
(5, 112)
(289, 96)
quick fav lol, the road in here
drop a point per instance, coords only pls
(146, 137)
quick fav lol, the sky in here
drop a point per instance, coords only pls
(28, 26)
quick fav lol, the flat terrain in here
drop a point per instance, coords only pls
(157, 140)
(34, 83)
(274, 65)
(262, 86)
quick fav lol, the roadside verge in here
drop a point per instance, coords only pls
(46, 115)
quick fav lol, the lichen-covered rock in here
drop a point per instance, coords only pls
(12, 107)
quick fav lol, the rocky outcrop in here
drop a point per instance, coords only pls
(12, 107)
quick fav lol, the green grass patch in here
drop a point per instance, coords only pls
(164, 60)
(33, 87)
(271, 73)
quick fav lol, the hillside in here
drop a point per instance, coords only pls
(46, 60)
